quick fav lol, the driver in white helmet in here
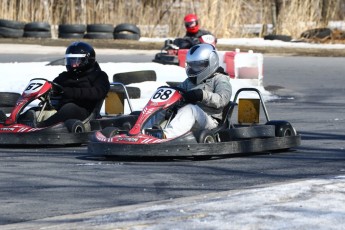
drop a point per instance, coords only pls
(208, 91)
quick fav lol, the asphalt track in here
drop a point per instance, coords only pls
(49, 182)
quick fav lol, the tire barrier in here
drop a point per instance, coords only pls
(15, 29)
(319, 33)
(66, 31)
(37, 30)
(127, 31)
(11, 29)
(127, 78)
(99, 31)
(7, 101)
(285, 38)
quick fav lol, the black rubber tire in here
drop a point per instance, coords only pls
(8, 99)
(72, 28)
(12, 24)
(37, 26)
(317, 33)
(110, 131)
(98, 35)
(166, 59)
(206, 136)
(285, 38)
(127, 36)
(75, 126)
(133, 92)
(282, 128)
(135, 77)
(37, 34)
(127, 27)
(6, 32)
(71, 35)
(100, 28)
(6, 109)
(3, 116)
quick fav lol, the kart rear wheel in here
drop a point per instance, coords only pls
(110, 131)
(205, 137)
(75, 126)
(282, 128)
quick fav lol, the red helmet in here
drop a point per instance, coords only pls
(191, 23)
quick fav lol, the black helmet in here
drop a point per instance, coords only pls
(79, 57)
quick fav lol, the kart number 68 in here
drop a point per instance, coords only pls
(162, 94)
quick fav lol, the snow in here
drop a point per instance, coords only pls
(18, 75)
(304, 204)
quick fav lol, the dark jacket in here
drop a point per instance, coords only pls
(193, 39)
(85, 89)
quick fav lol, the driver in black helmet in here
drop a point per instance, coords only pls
(84, 85)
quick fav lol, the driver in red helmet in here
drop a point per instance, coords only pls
(193, 33)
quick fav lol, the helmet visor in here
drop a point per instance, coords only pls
(74, 60)
(190, 24)
(197, 66)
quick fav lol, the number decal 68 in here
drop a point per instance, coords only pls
(162, 94)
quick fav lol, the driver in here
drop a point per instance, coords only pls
(193, 33)
(84, 85)
(208, 91)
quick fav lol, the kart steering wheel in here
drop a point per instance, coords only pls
(178, 89)
(175, 88)
(57, 89)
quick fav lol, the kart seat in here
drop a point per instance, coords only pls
(225, 123)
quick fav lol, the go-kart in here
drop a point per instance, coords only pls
(173, 52)
(17, 130)
(246, 136)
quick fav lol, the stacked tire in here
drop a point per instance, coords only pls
(73, 31)
(37, 30)
(126, 31)
(99, 31)
(8, 100)
(11, 29)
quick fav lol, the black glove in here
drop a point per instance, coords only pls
(193, 96)
(67, 92)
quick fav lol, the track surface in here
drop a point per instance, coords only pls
(39, 183)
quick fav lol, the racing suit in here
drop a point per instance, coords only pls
(81, 94)
(207, 113)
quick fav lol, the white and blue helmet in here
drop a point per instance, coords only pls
(201, 62)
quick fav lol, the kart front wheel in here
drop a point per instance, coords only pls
(110, 131)
(75, 126)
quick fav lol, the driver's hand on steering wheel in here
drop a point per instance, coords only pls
(193, 96)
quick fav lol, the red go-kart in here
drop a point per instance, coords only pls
(228, 138)
(16, 130)
(172, 54)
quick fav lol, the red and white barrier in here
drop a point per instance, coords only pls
(239, 65)
(243, 65)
